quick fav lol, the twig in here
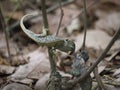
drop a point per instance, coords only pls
(85, 25)
(98, 79)
(89, 6)
(62, 14)
(4, 27)
(117, 84)
(50, 50)
(113, 83)
(62, 4)
(81, 11)
(13, 12)
(54, 82)
(44, 14)
(99, 59)
(17, 23)
(52, 61)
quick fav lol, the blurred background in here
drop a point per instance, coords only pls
(103, 19)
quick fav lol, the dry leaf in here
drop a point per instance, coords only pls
(116, 72)
(37, 59)
(16, 86)
(110, 23)
(96, 39)
(40, 85)
(4, 69)
(74, 26)
(24, 81)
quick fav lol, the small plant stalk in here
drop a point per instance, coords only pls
(85, 25)
(44, 15)
(99, 59)
(54, 82)
(5, 29)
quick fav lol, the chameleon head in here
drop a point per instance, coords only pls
(67, 46)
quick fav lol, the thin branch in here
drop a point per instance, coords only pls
(85, 25)
(62, 4)
(89, 6)
(13, 11)
(99, 59)
(44, 14)
(98, 79)
(16, 24)
(50, 50)
(62, 14)
(52, 59)
(5, 29)
(55, 77)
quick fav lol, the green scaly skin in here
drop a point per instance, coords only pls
(43, 39)
(54, 42)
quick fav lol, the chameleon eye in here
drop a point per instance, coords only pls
(67, 40)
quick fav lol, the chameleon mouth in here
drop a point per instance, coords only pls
(72, 51)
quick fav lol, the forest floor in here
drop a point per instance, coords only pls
(29, 66)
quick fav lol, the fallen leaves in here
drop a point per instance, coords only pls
(16, 86)
(6, 70)
(37, 66)
(96, 39)
(110, 23)
(31, 64)
(3, 61)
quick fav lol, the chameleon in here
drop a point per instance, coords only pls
(79, 67)
(43, 39)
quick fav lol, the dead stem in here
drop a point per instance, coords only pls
(50, 50)
(98, 79)
(99, 59)
(4, 27)
(85, 25)
(62, 14)
(44, 15)
(16, 24)
(89, 6)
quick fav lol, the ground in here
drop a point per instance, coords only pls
(29, 64)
